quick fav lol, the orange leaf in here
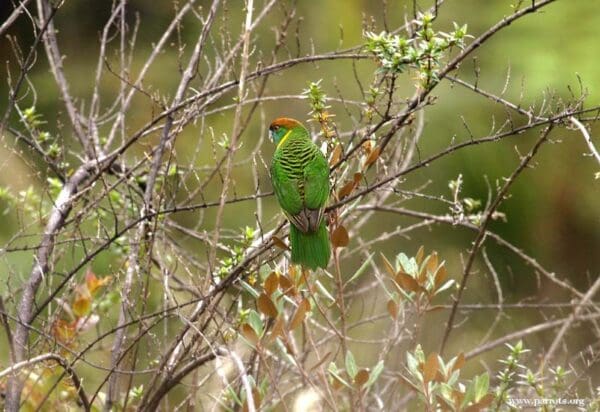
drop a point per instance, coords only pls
(82, 304)
(388, 266)
(266, 306)
(271, 283)
(346, 189)
(287, 286)
(407, 282)
(431, 367)
(460, 362)
(432, 263)
(392, 308)
(361, 377)
(440, 276)
(336, 155)
(93, 283)
(300, 314)
(419, 257)
(336, 383)
(249, 334)
(278, 329)
(482, 404)
(372, 158)
(280, 243)
(288, 347)
(367, 146)
(339, 237)
(63, 330)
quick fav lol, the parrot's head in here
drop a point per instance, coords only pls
(281, 128)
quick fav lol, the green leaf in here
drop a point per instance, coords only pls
(324, 291)
(482, 384)
(256, 322)
(412, 363)
(248, 288)
(351, 365)
(375, 373)
(469, 394)
(361, 269)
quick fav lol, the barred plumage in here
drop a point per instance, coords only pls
(300, 176)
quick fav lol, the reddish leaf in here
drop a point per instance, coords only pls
(63, 331)
(249, 334)
(482, 404)
(300, 314)
(280, 243)
(459, 363)
(82, 304)
(271, 283)
(287, 286)
(419, 257)
(388, 266)
(336, 155)
(339, 237)
(266, 306)
(392, 308)
(440, 276)
(278, 329)
(407, 282)
(361, 377)
(93, 283)
(430, 368)
(372, 158)
(288, 347)
(346, 189)
(336, 382)
(432, 263)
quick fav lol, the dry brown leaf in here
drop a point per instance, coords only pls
(388, 266)
(346, 190)
(372, 158)
(440, 276)
(249, 334)
(300, 314)
(459, 363)
(361, 377)
(336, 155)
(339, 237)
(432, 263)
(392, 308)
(287, 286)
(407, 282)
(266, 306)
(271, 283)
(277, 330)
(419, 256)
(430, 368)
(280, 243)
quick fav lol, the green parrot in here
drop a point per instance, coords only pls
(300, 176)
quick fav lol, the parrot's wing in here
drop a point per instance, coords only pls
(308, 220)
(286, 190)
(316, 181)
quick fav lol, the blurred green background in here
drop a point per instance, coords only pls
(552, 213)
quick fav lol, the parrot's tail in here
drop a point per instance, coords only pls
(312, 249)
